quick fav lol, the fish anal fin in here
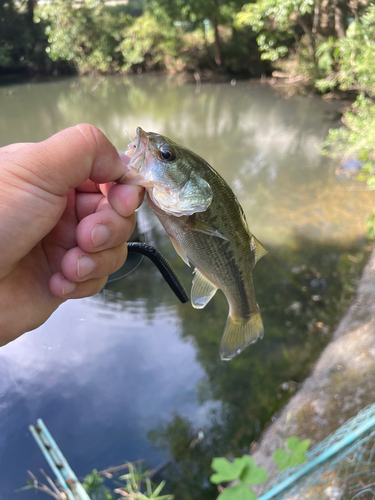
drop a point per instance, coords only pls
(257, 248)
(202, 291)
(181, 252)
(239, 333)
(197, 225)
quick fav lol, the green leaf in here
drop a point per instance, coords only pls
(238, 492)
(281, 457)
(24, 488)
(225, 470)
(252, 474)
(297, 454)
(298, 447)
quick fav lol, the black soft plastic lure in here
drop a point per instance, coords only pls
(164, 267)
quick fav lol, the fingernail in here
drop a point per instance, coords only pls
(141, 198)
(85, 266)
(100, 235)
(68, 287)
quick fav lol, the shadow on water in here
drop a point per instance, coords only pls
(302, 294)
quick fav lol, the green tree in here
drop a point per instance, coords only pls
(22, 44)
(218, 12)
(282, 24)
(278, 22)
(151, 42)
(349, 65)
(87, 36)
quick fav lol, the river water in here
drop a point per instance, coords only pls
(131, 373)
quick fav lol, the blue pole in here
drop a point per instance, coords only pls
(51, 462)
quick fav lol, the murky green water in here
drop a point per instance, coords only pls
(133, 374)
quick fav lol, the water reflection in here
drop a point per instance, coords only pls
(100, 378)
(132, 366)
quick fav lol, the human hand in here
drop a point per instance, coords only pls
(63, 224)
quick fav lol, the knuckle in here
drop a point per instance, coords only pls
(91, 134)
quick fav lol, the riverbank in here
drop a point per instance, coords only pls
(341, 383)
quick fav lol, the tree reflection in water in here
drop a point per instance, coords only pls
(302, 293)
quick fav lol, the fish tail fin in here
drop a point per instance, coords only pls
(239, 333)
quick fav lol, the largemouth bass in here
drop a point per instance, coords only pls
(207, 227)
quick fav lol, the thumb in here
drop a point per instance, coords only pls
(35, 179)
(69, 158)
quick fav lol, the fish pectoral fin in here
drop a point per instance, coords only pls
(257, 248)
(239, 333)
(202, 290)
(197, 225)
(181, 252)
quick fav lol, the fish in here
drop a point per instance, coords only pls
(207, 227)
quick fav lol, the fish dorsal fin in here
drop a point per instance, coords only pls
(239, 333)
(198, 225)
(202, 291)
(181, 252)
(257, 248)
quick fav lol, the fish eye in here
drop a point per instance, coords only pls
(166, 153)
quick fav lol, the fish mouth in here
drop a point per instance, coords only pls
(136, 151)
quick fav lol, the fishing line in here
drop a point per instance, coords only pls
(126, 130)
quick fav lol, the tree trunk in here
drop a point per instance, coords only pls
(316, 22)
(217, 47)
(310, 38)
(31, 4)
(340, 18)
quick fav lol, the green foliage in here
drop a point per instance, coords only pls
(276, 21)
(225, 470)
(22, 44)
(356, 140)
(238, 492)
(370, 222)
(150, 42)
(295, 455)
(133, 487)
(349, 65)
(242, 469)
(349, 62)
(247, 473)
(93, 484)
(196, 11)
(87, 35)
(137, 486)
